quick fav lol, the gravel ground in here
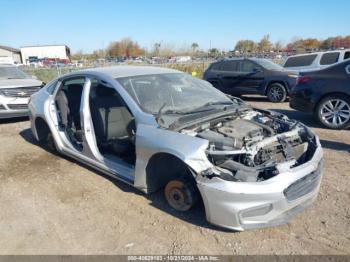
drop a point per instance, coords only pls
(53, 205)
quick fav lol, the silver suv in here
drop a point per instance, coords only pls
(15, 89)
(315, 61)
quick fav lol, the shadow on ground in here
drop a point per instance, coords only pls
(13, 120)
(252, 98)
(195, 216)
(334, 145)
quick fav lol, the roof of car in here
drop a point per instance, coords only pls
(321, 52)
(239, 59)
(125, 71)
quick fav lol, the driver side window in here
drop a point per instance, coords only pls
(247, 66)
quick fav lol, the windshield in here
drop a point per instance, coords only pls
(178, 93)
(269, 64)
(11, 72)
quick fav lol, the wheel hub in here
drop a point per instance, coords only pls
(178, 195)
(276, 93)
(335, 112)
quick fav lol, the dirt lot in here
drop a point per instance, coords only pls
(53, 205)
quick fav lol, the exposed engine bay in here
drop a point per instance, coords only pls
(255, 145)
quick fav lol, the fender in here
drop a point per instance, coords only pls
(191, 150)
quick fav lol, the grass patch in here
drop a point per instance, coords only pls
(47, 74)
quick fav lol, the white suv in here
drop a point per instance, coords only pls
(15, 89)
(315, 61)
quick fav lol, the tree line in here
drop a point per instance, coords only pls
(127, 47)
(297, 45)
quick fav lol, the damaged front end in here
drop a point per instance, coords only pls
(266, 169)
(253, 146)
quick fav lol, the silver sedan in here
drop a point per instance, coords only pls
(157, 128)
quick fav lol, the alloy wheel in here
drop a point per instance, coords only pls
(335, 112)
(276, 93)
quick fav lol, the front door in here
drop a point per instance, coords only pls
(109, 129)
(251, 77)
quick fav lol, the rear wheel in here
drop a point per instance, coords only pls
(334, 111)
(46, 140)
(50, 142)
(276, 93)
(181, 194)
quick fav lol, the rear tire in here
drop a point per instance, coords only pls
(51, 143)
(181, 194)
(276, 93)
(48, 143)
(333, 111)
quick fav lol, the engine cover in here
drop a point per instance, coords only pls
(240, 128)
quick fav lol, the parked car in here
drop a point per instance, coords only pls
(158, 128)
(315, 61)
(15, 89)
(239, 76)
(326, 93)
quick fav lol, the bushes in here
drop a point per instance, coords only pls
(45, 74)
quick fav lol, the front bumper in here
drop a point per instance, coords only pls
(243, 205)
(13, 107)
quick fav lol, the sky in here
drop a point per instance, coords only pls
(87, 25)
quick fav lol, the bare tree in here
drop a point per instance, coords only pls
(265, 45)
(157, 48)
(279, 46)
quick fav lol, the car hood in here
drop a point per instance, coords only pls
(13, 83)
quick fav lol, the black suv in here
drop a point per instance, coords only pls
(241, 76)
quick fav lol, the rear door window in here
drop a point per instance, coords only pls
(347, 55)
(230, 66)
(303, 60)
(329, 58)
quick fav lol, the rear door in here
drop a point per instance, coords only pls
(68, 119)
(228, 76)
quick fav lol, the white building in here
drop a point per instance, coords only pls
(10, 55)
(32, 53)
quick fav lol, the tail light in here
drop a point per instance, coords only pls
(303, 79)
